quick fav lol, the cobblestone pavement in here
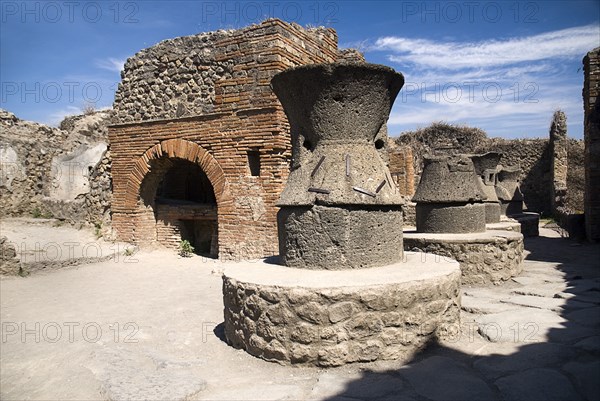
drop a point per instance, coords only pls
(147, 326)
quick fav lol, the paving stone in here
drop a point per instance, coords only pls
(537, 384)
(483, 305)
(257, 391)
(487, 293)
(584, 285)
(586, 376)
(368, 386)
(590, 344)
(530, 278)
(441, 378)
(525, 325)
(527, 357)
(531, 301)
(588, 317)
(587, 298)
(141, 374)
(548, 290)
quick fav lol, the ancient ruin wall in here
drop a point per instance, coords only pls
(56, 172)
(591, 106)
(215, 107)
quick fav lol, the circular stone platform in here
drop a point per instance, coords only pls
(334, 317)
(505, 225)
(489, 257)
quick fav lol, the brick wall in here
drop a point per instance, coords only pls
(242, 116)
(401, 168)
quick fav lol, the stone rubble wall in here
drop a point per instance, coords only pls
(56, 172)
(214, 71)
(334, 326)
(486, 261)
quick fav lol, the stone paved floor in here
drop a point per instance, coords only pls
(147, 327)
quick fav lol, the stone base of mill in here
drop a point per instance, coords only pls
(505, 224)
(485, 258)
(530, 223)
(335, 317)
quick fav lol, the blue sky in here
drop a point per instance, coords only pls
(503, 66)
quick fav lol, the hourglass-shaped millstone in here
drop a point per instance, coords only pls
(340, 208)
(449, 198)
(508, 190)
(486, 166)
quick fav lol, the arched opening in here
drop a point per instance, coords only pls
(183, 202)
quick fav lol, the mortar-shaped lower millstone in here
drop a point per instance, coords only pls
(508, 190)
(449, 198)
(486, 168)
(339, 183)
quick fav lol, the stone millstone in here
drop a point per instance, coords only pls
(508, 190)
(449, 198)
(486, 168)
(448, 179)
(339, 195)
(322, 237)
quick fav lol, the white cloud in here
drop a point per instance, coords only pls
(111, 64)
(508, 87)
(565, 43)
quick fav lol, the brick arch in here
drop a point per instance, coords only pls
(182, 149)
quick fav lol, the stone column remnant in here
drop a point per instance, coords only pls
(508, 190)
(340, 208)
(559, 161)
(449, 199)
(486, 166)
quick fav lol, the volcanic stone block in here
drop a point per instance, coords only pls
(322, 237)
(339, 193)
(490, 257)
(450, 218)
(330, 318)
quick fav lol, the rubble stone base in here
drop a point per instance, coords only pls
(335, 317)
(489, 257)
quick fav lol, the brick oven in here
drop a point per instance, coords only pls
(200, 144)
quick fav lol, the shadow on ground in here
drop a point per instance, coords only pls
(550, 353)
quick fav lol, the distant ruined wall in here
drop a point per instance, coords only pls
(56, 172)
(591, 107)
(534, 156)
(559, 161)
